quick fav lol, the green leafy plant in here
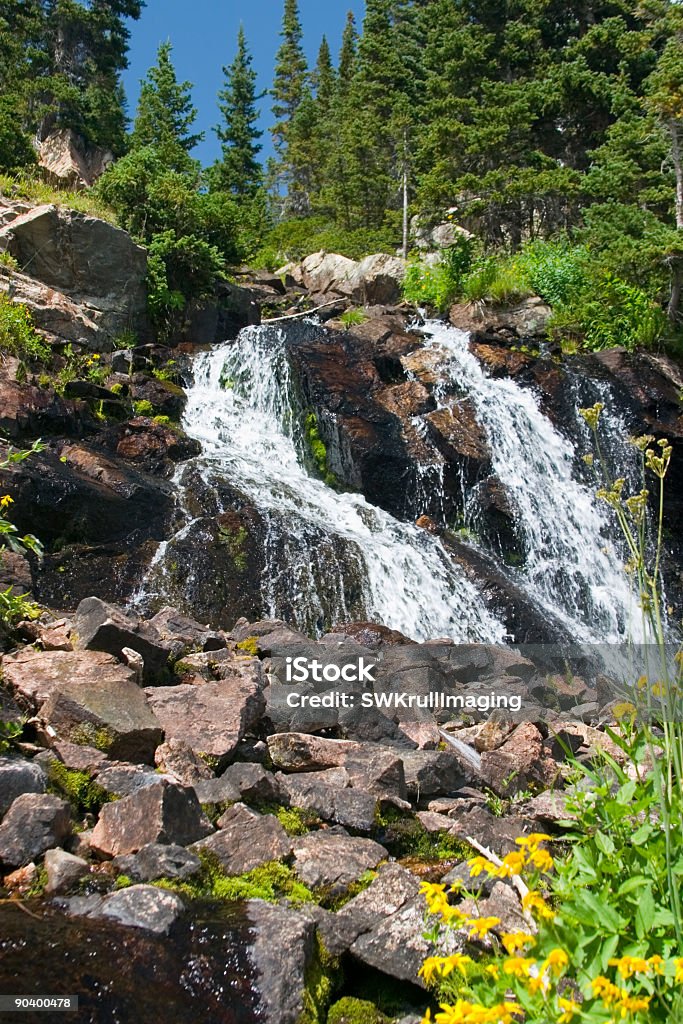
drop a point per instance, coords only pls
(9, 732)
(353, 318)
(18, 336)
(15, 607)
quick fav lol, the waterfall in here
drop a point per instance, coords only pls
(330, 556)
(573, 562)
(333, 557)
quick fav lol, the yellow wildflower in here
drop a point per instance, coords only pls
(455, 1014)
(537, 983)
(519, 966)
(679, 970)
(430, 968)
(535, 904)
(542, 860)
(633, 1004)
(493, 970)
(427, 1019)
(6, 500)
(514, 941)
(512, 865)
(481, 926)
(569, 1010)
(656, 964)
(604, 989)
(556, 960)
(443, 965)
(630, 965)
(534, 840)
(452, 915)
(479, 864)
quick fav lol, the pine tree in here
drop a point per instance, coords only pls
(291, 74)
(165, 114)
(323, 78)
(239, 170)
(348, 55)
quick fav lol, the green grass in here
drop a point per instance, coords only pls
(26, 186)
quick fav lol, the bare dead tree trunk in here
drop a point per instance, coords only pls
(405, 195)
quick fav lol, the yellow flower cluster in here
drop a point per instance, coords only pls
(531, 855)
(613, 996)
(630, 965)
(464, 1012)
(6, 500)
(436, 898)
(443, 966)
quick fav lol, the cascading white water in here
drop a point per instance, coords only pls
(572, 566)
(241, 408)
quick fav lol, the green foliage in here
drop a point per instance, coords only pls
(556, 271)
(178, 269)
(18, 337)
(249, 646)
(296, 821)
(609, 312)
(165, 114)
(291, 72)
(353, 318)
(80, 366)
(85, 796)
(15, 607)
(317, 450)
(496, 280)
(291, 240)
(85, 734)
(235, 540)
(271, 882)
(9, 732)
(238, 171)
(123, 882)
(143, 408)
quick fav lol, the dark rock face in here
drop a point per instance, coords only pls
(94, 514)
(34, 823)
(29, 411)
(157, 860)
(282, 967)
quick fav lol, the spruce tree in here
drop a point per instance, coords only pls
(323, 78)
(291, 74)
(348, 55)
(239, 170)
(165, 114)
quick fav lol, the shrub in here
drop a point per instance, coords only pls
(291, 240)
(556, 271)
(497, 280)
(610, 312)
(15, 607)
(18, 336)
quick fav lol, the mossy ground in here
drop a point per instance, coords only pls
(350, 1010)
(84, 795)
(271, 882)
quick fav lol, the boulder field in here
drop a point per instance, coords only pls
(160, 764)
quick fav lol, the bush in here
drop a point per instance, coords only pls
(292, 240)
(556, 271)
(610, 312)
(18, 337)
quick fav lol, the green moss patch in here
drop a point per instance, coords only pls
(350, 1010)
(84, 795)
(271, 882)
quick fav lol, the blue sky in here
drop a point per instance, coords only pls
(204, 34)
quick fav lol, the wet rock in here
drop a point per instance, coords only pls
(164, 813)
(143, 906)
(148, 445)
(498, 360)
(157, 860)
(212, 717)
(34, 823)
(166, 398)
(64, 871)
(283, 967)
(17, 777)
(246, 840)
(110, 713)
(104, 627)
(324, 860)
(175, 757)
(29, 411)
(344, 806)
